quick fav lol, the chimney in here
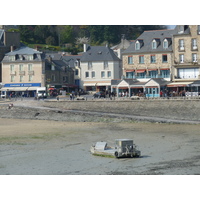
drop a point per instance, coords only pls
(12, 48)
(85, 46)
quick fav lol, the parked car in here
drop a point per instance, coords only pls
(99, 95)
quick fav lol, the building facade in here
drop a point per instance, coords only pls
(99, 65)
(8, 41)
(149, 57)
(23, 70)
(186, 59)
(26, 69)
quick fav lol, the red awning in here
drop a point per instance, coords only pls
(164, 69)
(130, 70)
(152, 69)
(141, 70)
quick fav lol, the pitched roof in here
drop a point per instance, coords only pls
(1, 37)
(24, 50)
(99, 53)
(147, 37)
(70, 60)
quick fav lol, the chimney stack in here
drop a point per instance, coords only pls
(12, 48)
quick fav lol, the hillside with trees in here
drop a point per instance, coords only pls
(71, 37)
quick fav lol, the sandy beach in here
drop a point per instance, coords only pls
(45, 147)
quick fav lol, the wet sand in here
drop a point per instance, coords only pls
(41, 147)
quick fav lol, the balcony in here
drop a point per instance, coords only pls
(21, 72)
(147, 77)
(12, 72)
(30, 72)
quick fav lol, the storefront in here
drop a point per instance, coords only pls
(20, 89)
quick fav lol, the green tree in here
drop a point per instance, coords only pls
(66, 34)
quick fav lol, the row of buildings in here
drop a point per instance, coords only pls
(161, 62)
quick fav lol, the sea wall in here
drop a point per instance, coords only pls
(100, 110)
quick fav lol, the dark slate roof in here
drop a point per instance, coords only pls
(99, 53)
(23, 51)
(160, 81)
(147, 37)
(70, 60)
(1, 37)
(54, 56)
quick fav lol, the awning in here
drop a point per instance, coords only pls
(179, 84)
(164, 68)
(19, 89)
(152, 69)
(141, 70)
(130, 70)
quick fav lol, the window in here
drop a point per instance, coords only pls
(12, 68)
(109, 74)
(181, 45)
(188, 73)
(89, 65)
(30, 78)
(86, 74)
(154, 46)
(105, 64)
(165, 44)
(12, 78)
(93, 74)
(30, 67)
(164, 58)
(181, 58)
(53, 77)
(65, 79)
(129, 74)
(194, 44)
(29, 57)
(137, 45)
(76, 72)
(21, 67)
(12, 58)
(153, 58)
(194, 57)
(52, 67)
(102, 74)
(198, 31)
(165, 73)
(130, 60)
(181, 29)
(21, 78)
(153, 74)
(141, 59)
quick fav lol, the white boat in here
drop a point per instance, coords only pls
(123, 148)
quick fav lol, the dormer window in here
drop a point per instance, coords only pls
(165, 44)
(137, 45)
(12, 58)
(198, 31)
(181, 29)
(52, 67)
(29, 57)
(154, 44)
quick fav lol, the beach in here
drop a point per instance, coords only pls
(47, 147)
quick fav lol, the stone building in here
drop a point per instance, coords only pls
(8, 41)
(26, 69)
(186, 59)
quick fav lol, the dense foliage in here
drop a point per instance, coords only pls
(60, 35)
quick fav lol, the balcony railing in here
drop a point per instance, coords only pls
(30, 72)
(146, 76)
(12, 72)
(21, 72)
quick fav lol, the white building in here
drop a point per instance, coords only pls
(99, 65)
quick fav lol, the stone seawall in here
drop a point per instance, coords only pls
(171, 109)
(105, 110)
